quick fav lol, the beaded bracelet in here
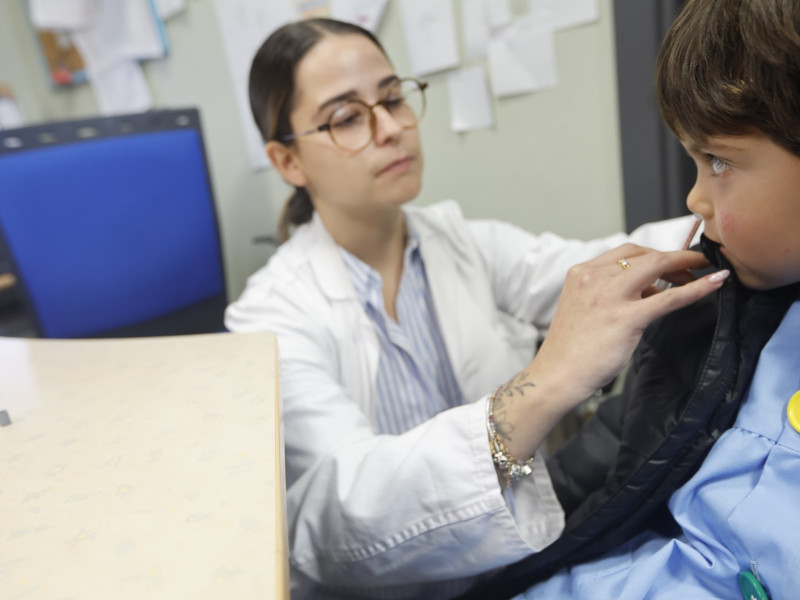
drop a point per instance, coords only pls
(511, 467)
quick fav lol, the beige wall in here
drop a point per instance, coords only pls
(552, 161)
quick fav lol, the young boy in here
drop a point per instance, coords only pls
(688, 485)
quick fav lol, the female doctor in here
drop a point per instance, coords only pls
(407, 477)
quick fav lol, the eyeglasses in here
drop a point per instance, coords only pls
(352, 125)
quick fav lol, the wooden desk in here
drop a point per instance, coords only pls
(141, 468)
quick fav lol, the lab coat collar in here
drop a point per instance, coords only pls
(326, 261)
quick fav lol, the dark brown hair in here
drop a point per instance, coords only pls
(727, 67)
(272, 91)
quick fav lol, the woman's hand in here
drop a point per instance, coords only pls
(605, 305)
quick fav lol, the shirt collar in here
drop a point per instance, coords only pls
(366, 280)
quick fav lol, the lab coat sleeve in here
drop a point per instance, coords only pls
(527, 271)
(424, 505)
(366, 509)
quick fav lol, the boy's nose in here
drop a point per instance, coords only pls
(697, 202)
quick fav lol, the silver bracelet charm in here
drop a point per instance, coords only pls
(511, 467)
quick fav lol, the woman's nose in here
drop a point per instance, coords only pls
(386, 128)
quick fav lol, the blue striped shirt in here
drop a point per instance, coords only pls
(415, 377)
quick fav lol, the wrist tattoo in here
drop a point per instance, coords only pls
(506, 394)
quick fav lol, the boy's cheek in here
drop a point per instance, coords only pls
(728, 224)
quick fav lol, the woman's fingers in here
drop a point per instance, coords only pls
(674, 267)
(605, 305)
(644, 268)
(674, 298)
(645, 265)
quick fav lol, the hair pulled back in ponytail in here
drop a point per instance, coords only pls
(297, 210)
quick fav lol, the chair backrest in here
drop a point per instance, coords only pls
(111, 227)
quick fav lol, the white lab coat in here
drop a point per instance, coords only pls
(374, 510)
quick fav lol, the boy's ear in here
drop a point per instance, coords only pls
(285, 160)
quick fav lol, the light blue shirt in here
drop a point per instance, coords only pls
(740, 512)
(415, 378)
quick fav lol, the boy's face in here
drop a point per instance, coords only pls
(748, 193)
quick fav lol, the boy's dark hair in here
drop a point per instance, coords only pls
(727, 67)
(272, 91)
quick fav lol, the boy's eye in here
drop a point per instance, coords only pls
(718, 165)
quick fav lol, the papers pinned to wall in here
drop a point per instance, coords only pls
(475, 28)
(522, 58)
(143, 36)
(245, 24)
(119, 87)
(519, 50)
(366, 13)
(430, 33)
(63, 61)
(169, 8)
(10, 115)
(64, 14)
(105, 40)
(110, 38)
(498, 13)
(566, 13)
(121, 35)
(470, 106)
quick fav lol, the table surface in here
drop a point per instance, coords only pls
(141, 468)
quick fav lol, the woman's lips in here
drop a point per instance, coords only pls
(398, 166)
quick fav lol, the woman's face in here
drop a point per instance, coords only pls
(380, 177)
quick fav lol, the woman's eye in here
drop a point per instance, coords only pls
(394, 102)
(718, 165)
(346, 118)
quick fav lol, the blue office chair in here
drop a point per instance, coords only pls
(111, 227)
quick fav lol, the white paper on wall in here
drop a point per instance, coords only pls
(119, 87)
(169, 8)
(475, 28)
(508, 75)
(63, 14)
(522, 58)
(111, 48)
(566, 13)
(429, 27)
(143, 36)
(366, 13)
(499, 13)
(10, 115)
(245, 24)
(470, 105)
(123, 31)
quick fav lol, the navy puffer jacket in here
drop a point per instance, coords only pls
(687, 380)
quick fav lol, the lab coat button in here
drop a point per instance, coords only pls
(793, 411)
(751, 587)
